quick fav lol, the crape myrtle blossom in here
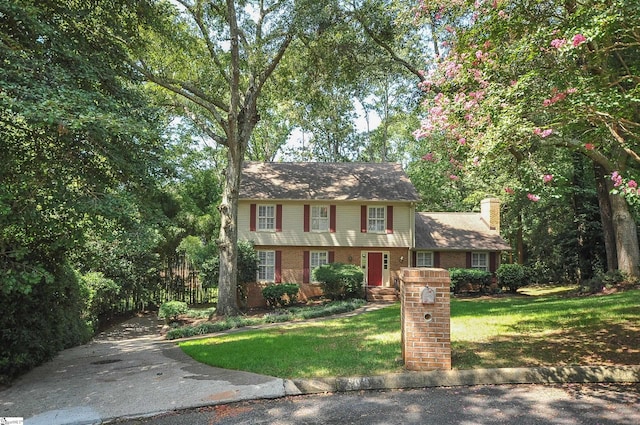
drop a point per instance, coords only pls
(578, 39)
(557, 96)
(626, 188)
(465, 102)
(616, 178)
(429, 157)
(542, 133)
(559, 43)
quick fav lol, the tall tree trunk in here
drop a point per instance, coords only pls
(520, 240)
(626, 234)
(228, 241)
(606, 217)
(578, 203)
(624, 226)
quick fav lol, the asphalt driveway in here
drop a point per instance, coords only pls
(128, 371)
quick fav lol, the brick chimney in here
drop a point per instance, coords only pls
(490, 213)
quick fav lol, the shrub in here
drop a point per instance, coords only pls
(512, 276)
(340, 280)
(601, 281)
(39, 322)
(476, 278)
(281, 294)
(612, 278)
(170, 310)
(277, 316)
(102, 295)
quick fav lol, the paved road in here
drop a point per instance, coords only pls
(568, 404)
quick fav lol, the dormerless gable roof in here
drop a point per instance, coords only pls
(456, 231)
(326, 181)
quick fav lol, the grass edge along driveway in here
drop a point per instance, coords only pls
(511, 331)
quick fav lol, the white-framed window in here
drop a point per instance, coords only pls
(320, 218)
(266, 217)
(424, 259)
(317, 259)
(266, 266)
(376, 220)
(480, 260)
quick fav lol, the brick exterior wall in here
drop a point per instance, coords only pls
(426, 328)
(453, 259)
(292, 268)
(458, 259)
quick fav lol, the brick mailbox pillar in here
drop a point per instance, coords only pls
(425, 315)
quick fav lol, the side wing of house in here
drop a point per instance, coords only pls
(464, 240)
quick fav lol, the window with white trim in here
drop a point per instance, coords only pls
(424, 259)
(266, 266)
(480, 260)
(376, 220)
(317, 259)
(266, 217)
(320, 218)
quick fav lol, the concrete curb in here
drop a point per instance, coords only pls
(451, 378)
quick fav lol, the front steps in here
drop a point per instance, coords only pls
(382, 294)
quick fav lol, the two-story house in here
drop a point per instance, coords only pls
(302, 215)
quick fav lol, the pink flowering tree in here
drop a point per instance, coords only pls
(520, 79)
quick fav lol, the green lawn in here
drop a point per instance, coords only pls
(366, 343)
(486, 332)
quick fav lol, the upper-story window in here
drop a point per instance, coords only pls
(479, 260)
(424, 259)
(266, 217)
(376, 220)
(320, 218)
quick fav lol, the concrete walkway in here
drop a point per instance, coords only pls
(131, 371)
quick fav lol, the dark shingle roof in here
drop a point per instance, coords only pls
(456, 231)
(326, 180)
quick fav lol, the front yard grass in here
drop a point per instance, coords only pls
(510, 331)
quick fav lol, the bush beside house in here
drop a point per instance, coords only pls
(340, 281)
(512, 276)
(281, 295)
(469, 280)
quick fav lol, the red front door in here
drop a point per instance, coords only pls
(374, 269)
